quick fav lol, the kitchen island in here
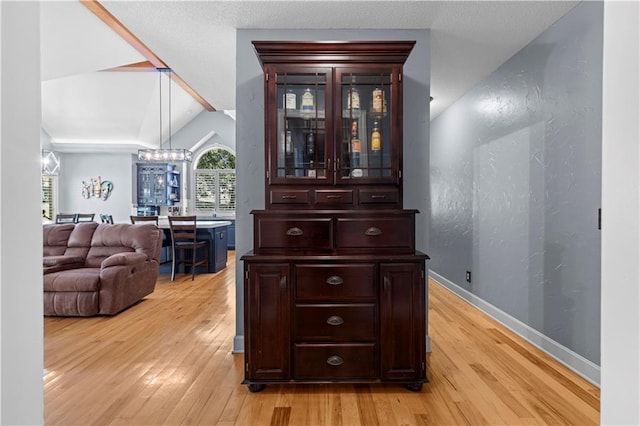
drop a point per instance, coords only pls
(214, 231)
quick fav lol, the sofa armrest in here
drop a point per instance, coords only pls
(124, 259)
(61, 260)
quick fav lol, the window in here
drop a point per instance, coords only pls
(47, 199)
(215, 183)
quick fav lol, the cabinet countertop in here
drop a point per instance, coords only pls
(163, 223)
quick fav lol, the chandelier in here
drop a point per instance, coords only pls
(165, 154)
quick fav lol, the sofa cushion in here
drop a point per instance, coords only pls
(55, 237)
(78, 280)
(121, 238)
(80, 239)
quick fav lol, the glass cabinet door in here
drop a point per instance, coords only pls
(365, 151)
(301, 142)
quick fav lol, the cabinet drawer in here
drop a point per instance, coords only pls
(328, 197)
(327, 361)
(378, 196)
(385, 232)
(355, 322)
(313, 233)
(335, 282)
(279, 196)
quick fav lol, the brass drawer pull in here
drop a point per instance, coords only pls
(373, 232)
(335, 360)
(334, 280)
(289, 197)
(378, 197)
(335, 320)
(294, 232)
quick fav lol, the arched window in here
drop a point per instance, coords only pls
(215, 182)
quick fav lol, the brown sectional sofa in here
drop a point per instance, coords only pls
(98, 269)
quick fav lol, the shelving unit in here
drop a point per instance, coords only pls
(158, 184)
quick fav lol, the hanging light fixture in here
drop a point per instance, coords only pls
(50, 163)
(164, 154)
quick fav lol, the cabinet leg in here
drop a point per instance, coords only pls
(414, 387)
(255, 387)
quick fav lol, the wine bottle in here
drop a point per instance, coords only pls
(287, 143)
(311, 144)
(355, 146)
(288, 149)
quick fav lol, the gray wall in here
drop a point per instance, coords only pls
(76, 168)
(516, 184)
(250, 132)
(119, 168)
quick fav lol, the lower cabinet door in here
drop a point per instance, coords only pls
(267, 321)
(402, 321)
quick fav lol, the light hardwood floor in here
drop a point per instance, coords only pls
(168, 361)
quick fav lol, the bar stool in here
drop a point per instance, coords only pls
(144, 219)
(166, 241)
(183, 238)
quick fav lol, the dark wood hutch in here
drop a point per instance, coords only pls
(334, 288)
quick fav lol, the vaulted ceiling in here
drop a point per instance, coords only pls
(85, 107)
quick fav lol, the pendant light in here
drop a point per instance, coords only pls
(162, 154)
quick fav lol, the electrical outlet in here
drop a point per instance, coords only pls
(468, 276)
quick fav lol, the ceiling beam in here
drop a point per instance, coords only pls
(144, 66)
(154, 61)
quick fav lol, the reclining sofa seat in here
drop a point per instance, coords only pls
(118, 267)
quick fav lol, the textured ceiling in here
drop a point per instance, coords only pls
(469, 39)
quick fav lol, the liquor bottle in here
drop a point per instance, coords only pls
(288, 148)
(290, 100)
(355, 146)
(307, 105)
(378, 101)
(311, 144)
(375, 137)
(353, 95)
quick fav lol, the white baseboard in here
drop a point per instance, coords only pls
(562, 354)
(238, 345)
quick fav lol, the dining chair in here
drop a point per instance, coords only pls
(144, 219)
(66, 218)
(106, 218)
(184, 245)
(85, 217)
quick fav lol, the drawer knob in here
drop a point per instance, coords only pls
(333, 197)
(335, 360)
(378, 197)
(334, 280)
(335, 320)
(289, 197)
(373, 232)
(294, 232)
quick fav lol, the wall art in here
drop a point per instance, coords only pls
(97, 188)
